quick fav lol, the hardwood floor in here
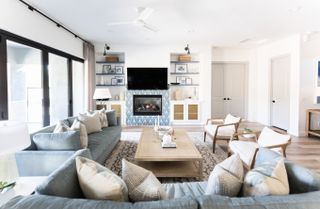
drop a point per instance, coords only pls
(302, 150)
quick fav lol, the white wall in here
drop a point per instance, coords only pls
(16, 18)
(259, 59)
(159, 56)
(261, 81)
(310, 56)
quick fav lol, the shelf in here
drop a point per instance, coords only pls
(195, 73)
(105, 62)
(110, 74)
(182, 62)
(184, 85)
(110, 85)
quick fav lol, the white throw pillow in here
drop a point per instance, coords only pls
(61, 127)
(77, 125)
(142, 184)
(226, 177)
(269, 178)
(92, 122)
(98, 182)
(103, 118)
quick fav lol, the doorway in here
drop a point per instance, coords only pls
(280, 92)
(229, 89)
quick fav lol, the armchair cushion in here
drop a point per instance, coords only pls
(231, 119)
(268, 137)
(245, 149)
(222, 131)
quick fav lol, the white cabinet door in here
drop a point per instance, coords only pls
(280, 99)
(228, 89)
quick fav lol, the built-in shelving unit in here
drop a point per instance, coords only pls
(112, 74)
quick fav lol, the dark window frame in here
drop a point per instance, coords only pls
(45, 50)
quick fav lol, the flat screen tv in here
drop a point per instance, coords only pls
(147, 78)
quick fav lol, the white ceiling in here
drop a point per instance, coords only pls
(215, 22)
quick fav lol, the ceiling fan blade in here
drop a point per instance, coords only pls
(121, 23)
(150, 27)
(144, 13)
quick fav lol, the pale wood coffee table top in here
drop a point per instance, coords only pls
(149, 147)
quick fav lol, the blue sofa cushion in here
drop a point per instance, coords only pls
(69, 140)
(63, 181)
(178, 190)
(49, 202)
(112, 118)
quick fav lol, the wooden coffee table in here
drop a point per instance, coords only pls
(183, 161)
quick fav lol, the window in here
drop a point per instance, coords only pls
(38, 83)
(58, 85)
(24, 80)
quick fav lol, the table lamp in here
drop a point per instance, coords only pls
(102, 94)
(14, 136)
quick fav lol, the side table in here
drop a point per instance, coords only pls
(24, 186)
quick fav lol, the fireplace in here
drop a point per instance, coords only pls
(147, 105)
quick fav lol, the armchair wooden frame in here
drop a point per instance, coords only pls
(215, 136)
(235, 136)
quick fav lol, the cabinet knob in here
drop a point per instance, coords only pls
(224, 98)
(273, 101)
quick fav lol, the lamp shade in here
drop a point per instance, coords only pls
(14, 136)
(102, 93)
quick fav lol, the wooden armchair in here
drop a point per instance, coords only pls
(221, 129)
(247, 150)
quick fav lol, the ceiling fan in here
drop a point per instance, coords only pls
(144, 14)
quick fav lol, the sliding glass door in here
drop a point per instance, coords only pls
(24, 80)
(58, 86)
(78, 87)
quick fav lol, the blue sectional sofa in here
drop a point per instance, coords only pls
(65, 193)
(33, 162)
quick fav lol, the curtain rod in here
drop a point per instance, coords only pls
(52, 20)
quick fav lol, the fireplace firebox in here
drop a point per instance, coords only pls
(147, 105)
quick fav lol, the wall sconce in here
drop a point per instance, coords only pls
(187, 49)
(106, 48)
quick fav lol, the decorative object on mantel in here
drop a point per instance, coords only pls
(14, 136)
(112, 58)
(106, 48)
(102, 94)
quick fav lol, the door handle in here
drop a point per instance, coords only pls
(273, 101)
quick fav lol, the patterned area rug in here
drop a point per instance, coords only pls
(127, 146)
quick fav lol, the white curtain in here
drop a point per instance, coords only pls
(90, 64)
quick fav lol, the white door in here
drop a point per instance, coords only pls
(228, 89)
(217, 99)
(280, 98)
(234, 89)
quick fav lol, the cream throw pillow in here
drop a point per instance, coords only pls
(226, 178)
(61, 127)
(142, 184)
(98, 182)
(103, 118)
(269, 178)
(92, 122)
(77, 125)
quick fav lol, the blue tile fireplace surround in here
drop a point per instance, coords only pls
(134, 119)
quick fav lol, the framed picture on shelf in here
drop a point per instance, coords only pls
(120, 80)
(181, 80)
(181, 68)
(113, 81)
(106, 68)
(112, 71)
(119, 69)
(189, 81)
